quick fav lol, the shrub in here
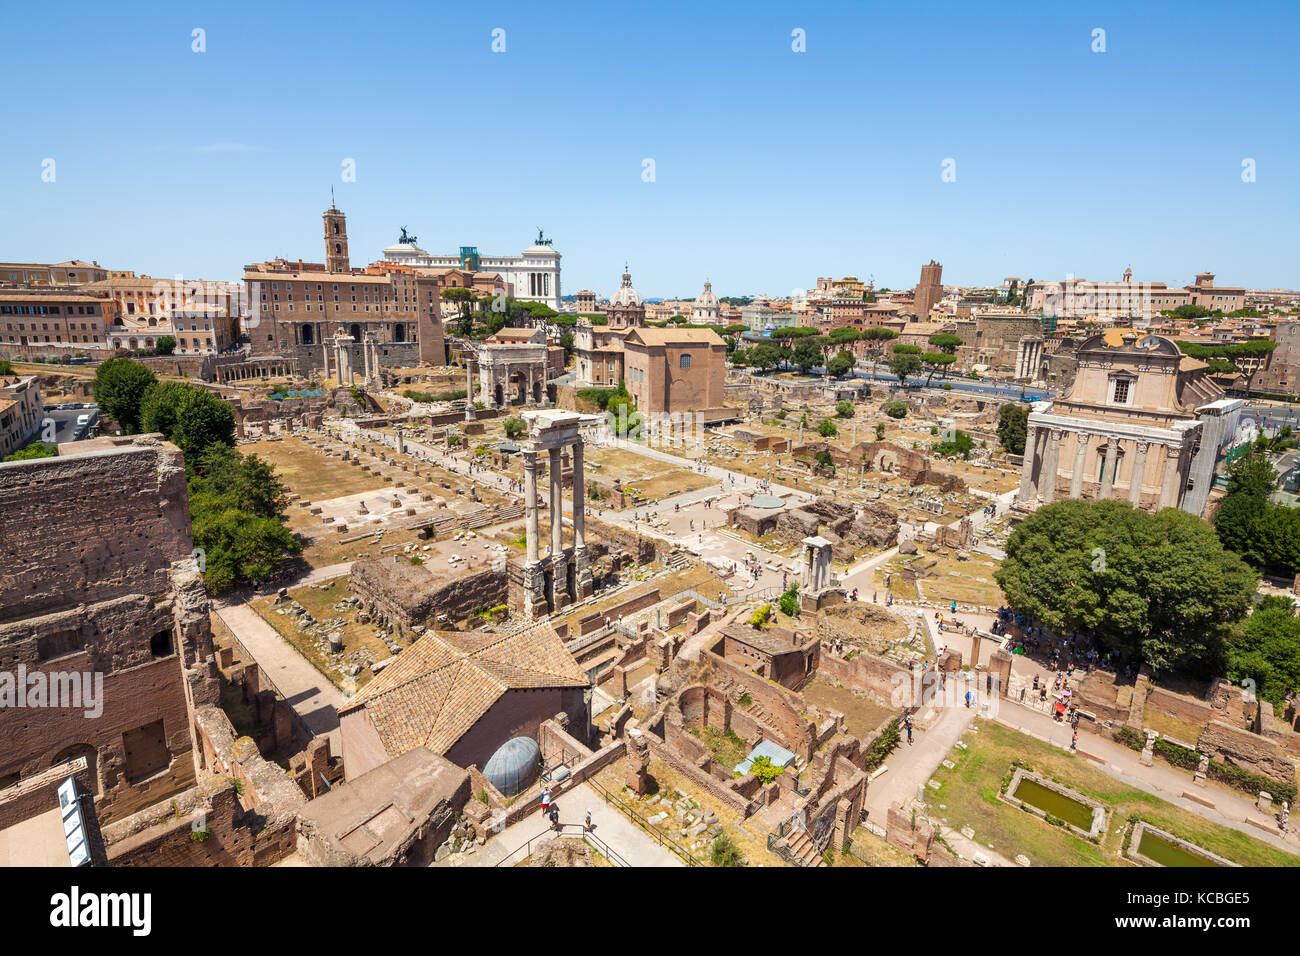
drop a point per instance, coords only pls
(725, 853)
(765, 770)
(759, 618)
(514, 427)
(896, 409)
(1130, 738)
(790, 602)
(883, 746)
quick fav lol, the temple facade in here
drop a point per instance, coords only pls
(1142, 423)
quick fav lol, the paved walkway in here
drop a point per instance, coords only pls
(910, 767)
(623, 836)
(305, 688)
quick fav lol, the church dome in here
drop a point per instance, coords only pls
(707, 300)
(626, 295)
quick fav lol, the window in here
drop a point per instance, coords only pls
(685, 362)
(1120, 396)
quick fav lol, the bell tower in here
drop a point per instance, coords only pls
(336, 239)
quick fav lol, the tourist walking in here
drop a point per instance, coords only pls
(546, 803)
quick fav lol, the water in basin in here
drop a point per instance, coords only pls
(1058, 805)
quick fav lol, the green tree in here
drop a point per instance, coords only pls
(936, 361)
(237, 517)
(6, 367)
(904, 360)
(1268, 650)
(33, 451)
(1013, 426)
(807, 355)
(191, 418)
(946, 342)
(827, 429)
(956, 443)
(880, 431)
(765, 356)
(844, 408)
(119, 388)
(165, 345)
(790, 601)
(841, 364)
(514, 427)
(895, 409)
(1157, 588)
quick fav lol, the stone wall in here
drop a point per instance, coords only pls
(413, 595)
(96, 526)
(246, 805)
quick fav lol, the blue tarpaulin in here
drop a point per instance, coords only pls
(779, 756)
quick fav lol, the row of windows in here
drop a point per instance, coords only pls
(45, 326)
(44, 310)
(71, 338)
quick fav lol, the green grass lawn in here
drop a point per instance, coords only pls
(969, 797)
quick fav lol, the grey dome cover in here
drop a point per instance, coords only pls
(514, 766)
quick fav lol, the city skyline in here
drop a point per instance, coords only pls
(826, 161)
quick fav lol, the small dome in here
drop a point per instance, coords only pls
(626, 295)
(707, 299)
(514, 766)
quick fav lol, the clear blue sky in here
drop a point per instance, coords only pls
(772, 167)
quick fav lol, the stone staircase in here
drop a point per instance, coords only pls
(802, 849)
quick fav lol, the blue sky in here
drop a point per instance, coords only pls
(771, 167)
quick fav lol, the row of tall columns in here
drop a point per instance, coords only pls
(560, 595)
(243, 373)
(1046, 443)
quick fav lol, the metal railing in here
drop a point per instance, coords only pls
(631, 813)
(595, 842)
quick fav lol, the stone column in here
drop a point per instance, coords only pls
(559, 567)
(530, 503)
(1027, 489)
(1110, 451)
(579, 499)
(1047, 480)
(1169, 488)
(1080, 452)
(469, 404)
(583, 583)
(1139, 470)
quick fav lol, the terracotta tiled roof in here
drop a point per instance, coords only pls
(443, 683)
(652, 336)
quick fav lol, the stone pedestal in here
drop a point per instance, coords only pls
(583, 583)
(559, 582)
(534, 588)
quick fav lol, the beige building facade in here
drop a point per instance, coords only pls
(1128, 429)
